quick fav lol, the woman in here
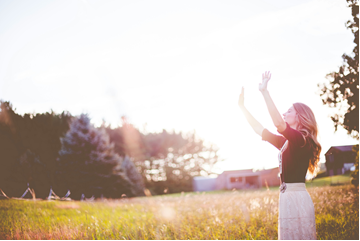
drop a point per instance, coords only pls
(299, 153)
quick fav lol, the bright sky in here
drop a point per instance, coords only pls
(175, 65)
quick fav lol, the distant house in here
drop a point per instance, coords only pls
(339, 159)
(239, 179)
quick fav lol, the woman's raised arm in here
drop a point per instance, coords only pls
(274, 113)
(257, 127)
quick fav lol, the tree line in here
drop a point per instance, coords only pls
(64, 152)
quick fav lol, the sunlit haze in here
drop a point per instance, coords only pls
(175, 65)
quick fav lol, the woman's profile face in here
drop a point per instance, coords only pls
(290, 117)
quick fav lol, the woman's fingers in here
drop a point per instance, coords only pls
(266, 76)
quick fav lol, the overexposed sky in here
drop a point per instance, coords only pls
(175, 65)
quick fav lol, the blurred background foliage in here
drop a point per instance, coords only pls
(66, 152)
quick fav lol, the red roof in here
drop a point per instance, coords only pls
(238, 171)
(248, 171)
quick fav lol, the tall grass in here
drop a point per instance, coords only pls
(221, 215)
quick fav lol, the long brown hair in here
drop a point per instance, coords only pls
(308, 127)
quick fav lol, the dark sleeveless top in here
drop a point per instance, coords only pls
(296, 156)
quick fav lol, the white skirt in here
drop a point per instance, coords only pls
(296, 213)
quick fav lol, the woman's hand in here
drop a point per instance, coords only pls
(241, 98)
(265, 79)
(257, 127)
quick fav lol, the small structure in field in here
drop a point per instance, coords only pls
(238, 179)
(201, 184)
(339, 159)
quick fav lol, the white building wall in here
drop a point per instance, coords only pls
(201, 184)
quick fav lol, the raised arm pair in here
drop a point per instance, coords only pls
(274, 113)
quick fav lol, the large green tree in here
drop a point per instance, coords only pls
(343, 88)
(88, 163)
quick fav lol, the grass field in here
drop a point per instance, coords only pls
(329, 181)
(217, 215)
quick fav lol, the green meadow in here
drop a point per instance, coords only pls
(250, 214)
